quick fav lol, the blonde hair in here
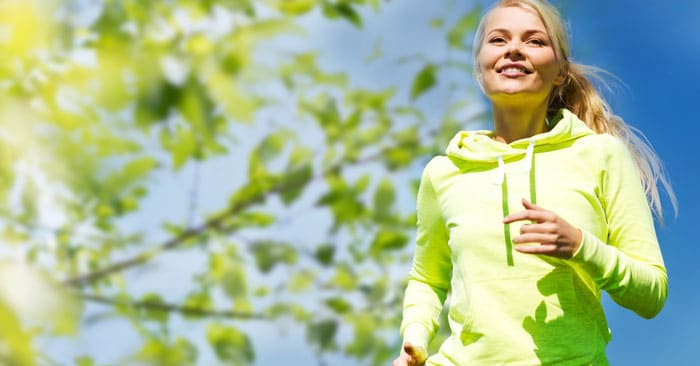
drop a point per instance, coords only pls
(579, 95)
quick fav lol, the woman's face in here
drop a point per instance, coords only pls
(517, 58)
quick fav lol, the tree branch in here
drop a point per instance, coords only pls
(185, 310)
(215, 223)
(212, 224)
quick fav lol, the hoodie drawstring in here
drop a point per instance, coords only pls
(501, 173)
(529, 168)
(528, 156)
(506, 210)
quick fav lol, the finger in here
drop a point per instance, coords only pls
(543, 228)
(549, 249)
(527, 204)
(532, 215)
(542, 238)
(531, 206)
(401, 361)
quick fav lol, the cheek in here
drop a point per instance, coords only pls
(548, 65)
(487, 58)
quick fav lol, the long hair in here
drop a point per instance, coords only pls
(578, 94)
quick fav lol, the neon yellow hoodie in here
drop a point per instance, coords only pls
(512, 308)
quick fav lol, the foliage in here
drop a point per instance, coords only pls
(105, 113)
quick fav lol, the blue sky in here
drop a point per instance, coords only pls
(653, 47)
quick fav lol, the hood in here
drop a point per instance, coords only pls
(479, 147)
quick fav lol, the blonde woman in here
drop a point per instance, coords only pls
(525, 225)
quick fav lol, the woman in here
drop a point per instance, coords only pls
(525, 225)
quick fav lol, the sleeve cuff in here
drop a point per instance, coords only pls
(580, 245)
(416, 334)
(590, 251)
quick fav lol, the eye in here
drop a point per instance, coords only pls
(536, 41)
(497, 40)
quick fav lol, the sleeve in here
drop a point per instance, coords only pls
(429, 278)
(629, 266)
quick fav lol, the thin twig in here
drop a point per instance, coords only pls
(161, 306)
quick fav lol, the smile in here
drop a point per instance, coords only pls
(513, 69)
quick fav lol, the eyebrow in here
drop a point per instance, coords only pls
(527, 32)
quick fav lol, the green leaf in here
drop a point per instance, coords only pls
(403, 152)
(15, 343)
(364, 339)
(280, 309)
(362, 183)
(384, 197)
(321, 334)
(339, 305)
(250, 219)
(294, 182)
(389, 240)
(232, 97)
(230, 344)
(424, 81)
(159, 315)
(344, 10)
(295, 7)
(269, 253)
(324, 254)
(301, 281)
(466, 24)
(197, 300)
(268, 149)
(345, 278)
(185, 352)
(156, 101)
(325, 111)
(160, 352)
(84, 361)
(437, 23)
(230, 274)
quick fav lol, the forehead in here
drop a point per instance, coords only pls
(514, 18)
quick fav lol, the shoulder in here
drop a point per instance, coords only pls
(603, 147)
(438, 167)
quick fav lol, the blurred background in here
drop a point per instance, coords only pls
(233, 181)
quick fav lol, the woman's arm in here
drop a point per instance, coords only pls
(630, 267)
(429, 278)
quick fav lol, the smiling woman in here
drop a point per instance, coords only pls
(526, 283)
(516, 62)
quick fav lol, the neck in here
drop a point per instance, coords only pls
(514, 123)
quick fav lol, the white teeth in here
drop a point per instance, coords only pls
(512, 70)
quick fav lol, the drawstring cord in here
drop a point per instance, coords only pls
(501, 172)
(529, 168)
(501, 180)
(528, 156)
(504, 205)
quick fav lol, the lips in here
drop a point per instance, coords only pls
(513, 69)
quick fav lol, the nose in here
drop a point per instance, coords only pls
(513, 50)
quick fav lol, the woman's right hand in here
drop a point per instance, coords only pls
(411, 356)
